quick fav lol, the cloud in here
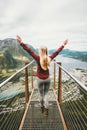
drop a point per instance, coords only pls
(42, 21)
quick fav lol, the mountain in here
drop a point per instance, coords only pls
(14, 47)
(80, 55)
(10, 51)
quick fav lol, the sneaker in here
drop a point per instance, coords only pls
(45, 112)
(42, 109)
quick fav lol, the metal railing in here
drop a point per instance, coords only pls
(72, 96)
(14, 95)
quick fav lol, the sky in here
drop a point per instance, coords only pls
(45, 22)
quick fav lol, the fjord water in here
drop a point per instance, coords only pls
(70, 63)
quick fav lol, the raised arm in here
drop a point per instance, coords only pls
(35, 56)
(58, 50)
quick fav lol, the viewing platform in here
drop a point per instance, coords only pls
(67, 102)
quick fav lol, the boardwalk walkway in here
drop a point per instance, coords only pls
(35, 120)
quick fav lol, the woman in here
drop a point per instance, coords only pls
(43, 78)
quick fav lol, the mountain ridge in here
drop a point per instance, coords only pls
(80, 55)
(13, 46)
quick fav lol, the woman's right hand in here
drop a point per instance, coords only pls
(19, 39)
(65, 42)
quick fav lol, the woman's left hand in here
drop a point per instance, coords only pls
(65, 42)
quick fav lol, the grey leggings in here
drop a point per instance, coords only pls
(43, 87)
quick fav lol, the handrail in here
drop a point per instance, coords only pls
(17, 99)
(73, 103)
(79, 83)
(8, 79)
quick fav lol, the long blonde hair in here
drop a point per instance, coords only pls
(44, 58)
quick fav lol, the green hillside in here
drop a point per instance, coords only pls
(12, 56)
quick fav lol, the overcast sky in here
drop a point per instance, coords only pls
(46, 22)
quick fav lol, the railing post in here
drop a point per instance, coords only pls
(26, 84)
(60, 84)
(32, 76)
(54, 74)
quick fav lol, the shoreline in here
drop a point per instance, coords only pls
(80, 74)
